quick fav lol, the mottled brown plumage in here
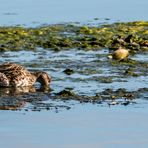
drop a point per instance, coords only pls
(12, 74)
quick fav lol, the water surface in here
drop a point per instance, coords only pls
(84, 124)
(34, 13)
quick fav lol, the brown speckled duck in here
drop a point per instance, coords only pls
(14, 75)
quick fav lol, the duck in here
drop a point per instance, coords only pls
(119, 54)
(15, 75)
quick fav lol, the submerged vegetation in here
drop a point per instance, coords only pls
(132, 35)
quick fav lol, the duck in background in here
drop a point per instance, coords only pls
(119, 54)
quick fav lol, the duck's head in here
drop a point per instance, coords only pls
(43, 78)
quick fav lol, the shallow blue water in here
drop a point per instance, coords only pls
(34, 13)
(82, 126)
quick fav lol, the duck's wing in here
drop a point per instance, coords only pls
(17, 75)
(4, 82)
(12, 70)
(22, 80)
(10, 67)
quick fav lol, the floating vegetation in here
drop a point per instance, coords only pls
(68, 71)
(108, 96)
(132, 35)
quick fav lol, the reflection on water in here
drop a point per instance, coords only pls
(17, 90)
(16, 98)
(22, 90)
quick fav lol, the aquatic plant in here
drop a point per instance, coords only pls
(132, 35)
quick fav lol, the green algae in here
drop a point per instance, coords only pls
(132, 35)
(66, 93)
(108, 96)
(68, 71)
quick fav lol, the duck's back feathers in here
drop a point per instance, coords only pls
(17, 75)
(12, 74)
(12, 69)
(10, 66)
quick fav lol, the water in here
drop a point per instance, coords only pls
(83, 81)
(84, 125)
(34, 13)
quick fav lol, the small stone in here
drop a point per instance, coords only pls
(68, 71)
(120, 54)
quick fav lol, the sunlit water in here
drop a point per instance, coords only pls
(80, 61)
(84, 125)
